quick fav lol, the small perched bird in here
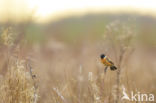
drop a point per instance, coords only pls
(107, 62)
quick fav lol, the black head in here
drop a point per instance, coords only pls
(102, 56)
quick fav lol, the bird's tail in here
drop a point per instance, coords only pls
(113, 67)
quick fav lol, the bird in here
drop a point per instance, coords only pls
(107, 62)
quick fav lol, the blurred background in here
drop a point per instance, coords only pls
(64, 38)
(76, 19)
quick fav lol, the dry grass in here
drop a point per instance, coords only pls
(17, 84)
(68, 74)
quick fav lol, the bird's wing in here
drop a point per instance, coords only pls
(109, 61)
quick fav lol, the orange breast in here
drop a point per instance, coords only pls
(105, 62)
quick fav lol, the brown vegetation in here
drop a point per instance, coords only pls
(56, 72)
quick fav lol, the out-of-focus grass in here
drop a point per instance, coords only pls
(65, 58)
(93, 26)
(34, 34)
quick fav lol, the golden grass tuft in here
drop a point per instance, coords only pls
(18, 85)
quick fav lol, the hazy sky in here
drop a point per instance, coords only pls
(45, 9)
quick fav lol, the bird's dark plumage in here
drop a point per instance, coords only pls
(113, 67)
(102, 56)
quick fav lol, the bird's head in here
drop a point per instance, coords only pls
(102, 56)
